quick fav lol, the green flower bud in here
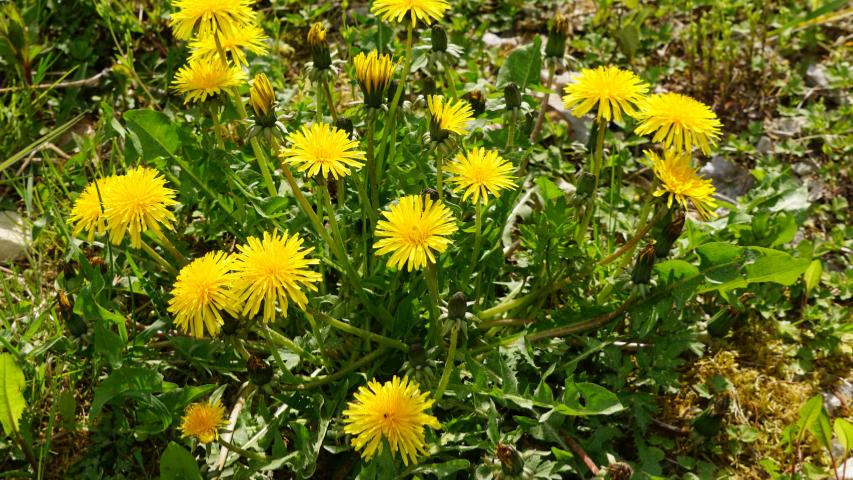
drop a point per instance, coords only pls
(477, 101)
(439, 39)
(669, 234)
(556, 46)
(260, 372)
(417, 354)
(584, 184)
(642, 273)
(512, 96)
(511, 462)
(345, 124)
(319, 47)
(457, 306)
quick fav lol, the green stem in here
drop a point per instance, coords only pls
(159, 259)
(451, 82)
(431, 277)
(328, 88)
(330, 212)
(217, 128)
(478, 232)
(318, 95)
(543, 105)
(596, 171)
(371, 159)
(510, 130)
(630, 244)
(171, 248)
(439, 173)
(359, 332)
(448, 364)
(390, 131)
(320, 381)
(376, 310)
(282, 341)
(315, 329)
(242, 452)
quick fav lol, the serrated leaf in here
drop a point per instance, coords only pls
(12, 402)
(178, 464)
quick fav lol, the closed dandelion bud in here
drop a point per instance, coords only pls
(511, 462)
(392, 90)
(431, 193)
(345, 124)
(620, 471)
(670, 233)
(439, 39)
(585, 184)
(319, 47)
(417, 354)
(66, 311)
(229, 324)
(477, 101)
(642, 273)
(373, 73)
(262, 100)
(557, 35)
(260, 372)
(512, 96)
(457, 306)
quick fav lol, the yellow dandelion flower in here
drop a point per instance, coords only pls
(136, 202)
(681, 183)
(205, 77)
(273, 270)
(324, 149)
(317, 36)
(611, 88)
(203, 421)
(201, 293)
(680, 121)
(393, 411)
(261, 96)
(448, 116)
(412, 229)
(249, 36)
(373, 73)
(423, 10)
(209, 16)
(87, 212)
(479, 172)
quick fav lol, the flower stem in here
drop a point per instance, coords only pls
(596, 171)
(330, 211)
(346, 370)
(170, 247)
(642, 230)
(371, 159)
(439, 173)
(328, 88)
(478, 231)
(543, 106)
(280, 340)
(451, 81)
(159, 259)
(315, 329)
(390, 130)
(217, 128)
(367, 335)
(510, 130)
(448, 364)
(431, 277)
(242, 452)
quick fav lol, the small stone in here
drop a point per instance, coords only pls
(816, 76)
(802, 168)
(845, 470)
(764, 145)
(13, 238)
(492, 40)
(831, 403)
(729, 179)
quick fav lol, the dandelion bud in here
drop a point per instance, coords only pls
(556, 46)
(512, 96)
(584, 184)
(620, 471)
(417, 354)
(262, 100)
(260, 372)
(439, 39)
(670, 233)
(345, 124)
(319, 47)
(429, 87)
(477, 101)
(456, 306)
(511, 462)
(229, 324)
(431, 193)
(642, 273)
(74, 322)
(373, 73)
